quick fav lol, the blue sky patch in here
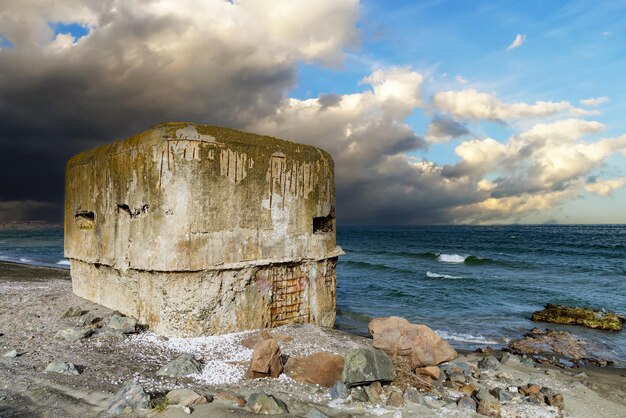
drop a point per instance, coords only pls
(5, 43)
(75, 29)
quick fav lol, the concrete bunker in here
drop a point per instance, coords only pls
(199, 230)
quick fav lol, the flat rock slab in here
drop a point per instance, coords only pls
(572, 315)
(367, 365)
(562, 343)
(86, 319)
(185, 397)
(74, 334)
(62, 368)
(323, 368)
(11, 354)
(184, 365)
(73, 312)
(124, 324)
(108, 334)
(261, 403)
(130, 398)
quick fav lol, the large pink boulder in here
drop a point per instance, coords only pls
(397, 336)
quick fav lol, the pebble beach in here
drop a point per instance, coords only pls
(34, 300)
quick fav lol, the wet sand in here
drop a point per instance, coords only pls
(33, 300)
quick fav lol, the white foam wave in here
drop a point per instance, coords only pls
(441, 276)
(63, 262)
(25, 260)
(467, 338)
(451, 258)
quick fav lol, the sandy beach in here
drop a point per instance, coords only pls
(34, 299)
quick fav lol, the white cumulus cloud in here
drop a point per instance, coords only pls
(472, 104)
(594, 101)
(606, 187)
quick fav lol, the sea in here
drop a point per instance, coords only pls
(474, 285)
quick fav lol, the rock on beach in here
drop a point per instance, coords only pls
(182, 366)
(573, 315)
(130, 398)
(62, 368)
(321, 368)
(397, 336)
(262, 403)
(367, 365)
(74, 334)
(265, 360)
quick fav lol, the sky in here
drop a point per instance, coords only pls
(435, 112)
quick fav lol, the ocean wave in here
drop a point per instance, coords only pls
(467, 338)
(373, 266)
(63, 262)
(451, 258)
(25, 260)
(465, 259)
(472, 259)
(441, 276)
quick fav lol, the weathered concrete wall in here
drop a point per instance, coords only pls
(197, 229)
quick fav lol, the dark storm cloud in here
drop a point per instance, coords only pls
(141, 64)
(233, 64)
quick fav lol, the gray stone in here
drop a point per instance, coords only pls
(73, 312)
(553, 398)
(510, 359)
(262, 403)
(86, 319)
(526, 362)
(395, 400)
(125, 324)
(62, 368)
(489, 363)
(11, 354)
(502, 395)
(185, 397)
(184, 365)
(339, 391)
(488, 408)
(484, 395)
(466, 402)
(130, 398)
(109, 334)
(433, 402)
(411, 394)
(458, 378)
(366, 365)
(359, 394)
(373, 394)
(456, 367)
(315, 413)
(74, 334)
